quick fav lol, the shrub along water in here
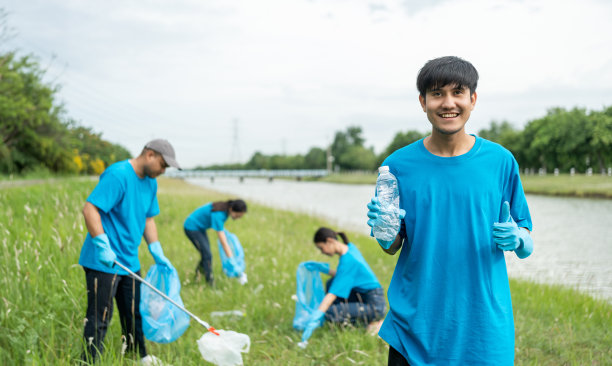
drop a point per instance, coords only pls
(43, 289)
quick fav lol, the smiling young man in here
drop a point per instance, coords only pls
(449, 295)
(118, 214)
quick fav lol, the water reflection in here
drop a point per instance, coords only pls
(572, 236)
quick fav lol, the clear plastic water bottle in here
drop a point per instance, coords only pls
(388, 223)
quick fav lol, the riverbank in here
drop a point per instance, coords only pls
(43, 232)
(598, 186)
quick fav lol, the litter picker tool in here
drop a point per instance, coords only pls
(202, 322)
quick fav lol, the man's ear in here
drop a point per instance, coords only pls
(422, 101)
(473, 98)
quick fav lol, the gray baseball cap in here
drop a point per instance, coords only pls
(165, 149)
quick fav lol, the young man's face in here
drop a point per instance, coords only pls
(155, 164)
(448, 108)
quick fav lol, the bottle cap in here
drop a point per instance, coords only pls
(383, 169)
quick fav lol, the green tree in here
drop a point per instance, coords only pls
(497, 131)
(348, 145)
(357, 158)
(258, 161)
(316, 158)
(32, 134)
(601, 137)
(400, 140)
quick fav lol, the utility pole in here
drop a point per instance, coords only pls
(235, 157)
(330, 159)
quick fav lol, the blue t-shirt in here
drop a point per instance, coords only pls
(353, 272)
(449, 295)
(205, 218)
(124, 201)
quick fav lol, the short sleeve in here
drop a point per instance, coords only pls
(515, 195)
(107, 193)
(153, 208)
(343, 281)
(217, 220)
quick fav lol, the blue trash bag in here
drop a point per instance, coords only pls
(232, 268)
(162, 321)
(310, 293)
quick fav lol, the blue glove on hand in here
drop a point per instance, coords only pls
(373, 213)
(158, 255)
(317, 318)
(104, 253)
(317, 266)
(508, 236)
(233, 271)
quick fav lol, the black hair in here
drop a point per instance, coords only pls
(324, 233)
(447, 70)
(237, 205)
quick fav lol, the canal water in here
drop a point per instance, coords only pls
(572, 236)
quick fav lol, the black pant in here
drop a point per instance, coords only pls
(101, 289)
(396, 358)
(363, 307)
(200, 241)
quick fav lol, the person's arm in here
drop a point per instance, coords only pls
(332, 272)
(328, 300)
(509, 237)
(526, 247)
(93, 221)
(150, 231)
(317, 318)
(224, 244)
(150, 235)
(397, 244)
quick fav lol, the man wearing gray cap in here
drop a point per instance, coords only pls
(118, 213)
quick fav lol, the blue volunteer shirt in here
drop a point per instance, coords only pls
(205, 218)
(353, 272)
(124, 201)
(449, 295)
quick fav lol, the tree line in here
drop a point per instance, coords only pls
(35, 133)
(563, 139)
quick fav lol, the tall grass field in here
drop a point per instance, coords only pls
(43, 295)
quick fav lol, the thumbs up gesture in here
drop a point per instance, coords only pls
(509, 237)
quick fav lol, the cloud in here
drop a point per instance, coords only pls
(294, 71)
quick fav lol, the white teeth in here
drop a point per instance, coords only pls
(449, 115)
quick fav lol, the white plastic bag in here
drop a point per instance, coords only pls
(224, 349)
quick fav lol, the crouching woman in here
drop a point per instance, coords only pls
(353, 293)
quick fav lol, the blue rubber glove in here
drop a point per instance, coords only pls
(373, 212)
(233, 271)
(104, 253)
(317, 266)
(317, 318)
(158, 255)
(509, 237)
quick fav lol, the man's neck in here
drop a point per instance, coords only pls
(449, 145)
(138, 166)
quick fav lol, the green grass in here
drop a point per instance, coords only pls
(566, 185)
(42, 296)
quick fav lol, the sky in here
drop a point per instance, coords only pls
(222, 79)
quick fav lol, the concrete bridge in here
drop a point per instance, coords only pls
(298, 174)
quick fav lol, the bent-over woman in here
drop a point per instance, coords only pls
(211, 216)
